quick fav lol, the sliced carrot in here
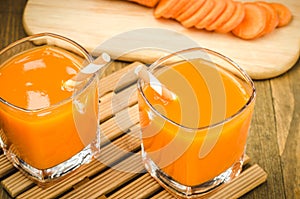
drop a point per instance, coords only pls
(163, 7)
(200, 14)
(284, 14)
(234, 20)
(184, 8)
(190, 11)
(177, 7)
(272, 18)
(213, 14)
(246, 20)
(147, 3)
(224, 16)
(253, 23)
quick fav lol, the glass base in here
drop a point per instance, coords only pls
(181, 190)
(47, 177)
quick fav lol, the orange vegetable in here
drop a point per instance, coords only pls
(188, 4)
(272, 18)
(253, 23)
(148, 3)
(203, 11)
(191, 10)
(216, 11)
(163, 7)
(284, 14)
(224, 16)
(177, 8)
(234, 20)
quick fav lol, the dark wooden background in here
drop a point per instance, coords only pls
(274, 140)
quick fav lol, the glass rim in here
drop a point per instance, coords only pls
(81, 49)
(226, 119)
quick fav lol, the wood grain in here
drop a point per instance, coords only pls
(263, 137)
(274, 137)
(11, 30)
(94, 23)
(287, 109)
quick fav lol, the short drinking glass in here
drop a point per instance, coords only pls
(195, 142)
(47, 130)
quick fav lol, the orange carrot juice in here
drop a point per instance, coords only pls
(39, 125)
(202, 133)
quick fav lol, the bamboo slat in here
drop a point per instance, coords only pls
(118, 171)
(246, 181)
(145, 186)
(5, 166)
(16, 184)
(117, 102)
(142, 187)
(163, 194)
(109, 180)
(118, 80)
(119, 124)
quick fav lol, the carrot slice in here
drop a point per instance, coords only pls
(225, 16)
(147, 3)
(190, 11)
(284, 14)
(177, 7)
(212, 15)
(234, 20)
(163, 7)
(199, 15)
(253, 23)
(184, 8)
(272, 18)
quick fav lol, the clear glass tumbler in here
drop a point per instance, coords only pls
(47, 130)
(195, 142)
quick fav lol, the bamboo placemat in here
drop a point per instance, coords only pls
(104, 177)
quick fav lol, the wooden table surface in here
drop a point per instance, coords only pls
(274, 139)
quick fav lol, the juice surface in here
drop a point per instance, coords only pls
(194, 156)
(31, 83)
(33, 80)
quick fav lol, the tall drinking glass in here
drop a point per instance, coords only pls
(195, 142)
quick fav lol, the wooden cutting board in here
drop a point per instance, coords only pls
(118, 27)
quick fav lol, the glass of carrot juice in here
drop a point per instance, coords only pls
(47, 130)
(195, 142)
